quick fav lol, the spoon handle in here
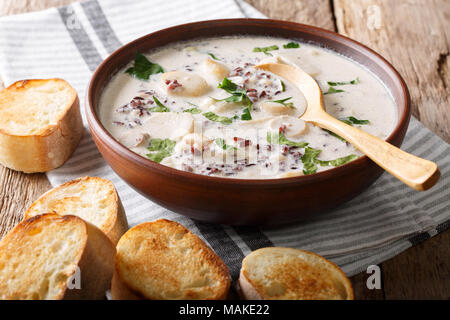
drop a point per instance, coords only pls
(416, 172)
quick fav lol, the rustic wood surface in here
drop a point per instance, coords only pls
(414, 35)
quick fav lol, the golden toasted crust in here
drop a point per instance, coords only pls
(40, 124)
(164, 260)
(91, 198)
(287, 273)
(43, 254)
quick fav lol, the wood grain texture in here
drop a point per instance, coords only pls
(421, 272)
(414, 36)
(314, 12)
(413, 22)
(17, 191)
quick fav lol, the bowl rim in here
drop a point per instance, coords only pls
(100, 131)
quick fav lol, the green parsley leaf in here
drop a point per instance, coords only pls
(308, 160)
(228, 85)
(343, 83)
(160, 107)
(283, 87)
(335, 135)
(221, 143)
(216, 118)
(213, 56)
(333, 90)
(352, 120)
(337, 162)
(246, 115)
(162, 148)
(283, 102)
(193, 110)
(237, 96)
(143, 68)
(291, 45)
(266, 49)
(280, 138)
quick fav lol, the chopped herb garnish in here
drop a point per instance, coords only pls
(213, 56)
(291, 45)
(352, 120)
(193, 110)
(266, 49)
(333, 90)
(283, 87)
(216, 118)
(284, 103)
(280, 138)
(143, 68)
(160, 107)
(237, 95)
(335, 135)
(343, 83)
(221, 143)
(227, 85)
(337, 162)
(308, 160)
(162, 148)
(246, 115)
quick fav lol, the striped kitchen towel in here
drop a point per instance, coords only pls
(70, 42)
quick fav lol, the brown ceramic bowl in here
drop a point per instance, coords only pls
(235, 201)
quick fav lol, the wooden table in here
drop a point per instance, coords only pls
(412, 34)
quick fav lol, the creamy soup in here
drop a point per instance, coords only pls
(201, 106)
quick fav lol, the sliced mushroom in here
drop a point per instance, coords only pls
(216, 69)
(223, 106)
(168, 161)
(291, 126)
(292, 174)
(184, 84)
(170, 125)
(192, 140)
(257, 123)
(277, 158)
(276, 108)
(133, 138)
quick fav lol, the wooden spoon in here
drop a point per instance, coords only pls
(416, 172)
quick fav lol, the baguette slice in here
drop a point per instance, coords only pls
(40, 124)
(162, 260)
(49, 256)
(91, 198)
(291, 274)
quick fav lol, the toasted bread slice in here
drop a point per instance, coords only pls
(291, 274)
(90, 198)
(55, 257)
(40, 124)
(162, 260)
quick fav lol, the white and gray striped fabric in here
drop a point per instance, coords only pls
(70, 42)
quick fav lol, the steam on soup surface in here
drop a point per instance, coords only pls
(200, 106)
